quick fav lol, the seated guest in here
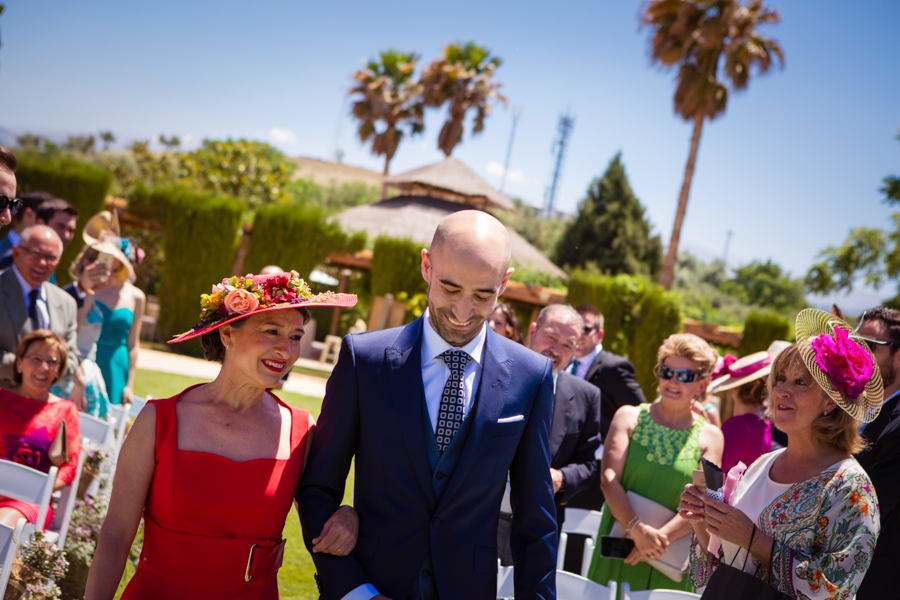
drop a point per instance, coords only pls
(652, 450)
(31, 302)
(34, 422)
(748, 434)
(503, 321)
(806, 515)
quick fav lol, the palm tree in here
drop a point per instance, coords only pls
(696, 35)
(388, 101)
(462, 78)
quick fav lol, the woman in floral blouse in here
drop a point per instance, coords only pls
(808, 513)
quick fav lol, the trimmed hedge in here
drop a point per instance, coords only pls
(296, 237)
(761, 329)
(82, 185)
(396, 267)
(201, 235)
(638, 317)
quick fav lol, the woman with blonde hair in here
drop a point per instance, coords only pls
(806, 516)
(649, 455)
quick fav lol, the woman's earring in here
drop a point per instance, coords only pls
(825, 413)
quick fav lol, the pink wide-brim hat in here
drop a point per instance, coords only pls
(323, 299)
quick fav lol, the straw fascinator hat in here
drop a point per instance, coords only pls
(101, 233)
(239, 297)
(734, 372)
(840, 362)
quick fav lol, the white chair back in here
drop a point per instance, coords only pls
(138, 404)
(118, 413)
(627, 594)
(584, 522)
(28, 485)
(96, 430)
(67, 497)
(505, 583)
(10, 538)
(573, 587)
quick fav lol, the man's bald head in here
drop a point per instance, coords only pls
(476, 233)
(42, 233)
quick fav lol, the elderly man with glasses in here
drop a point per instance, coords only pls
(880, 327)
(28, 302)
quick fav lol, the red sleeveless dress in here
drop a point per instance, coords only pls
(212, 526)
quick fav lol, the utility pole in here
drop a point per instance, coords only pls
(517, 112)
(563, 131)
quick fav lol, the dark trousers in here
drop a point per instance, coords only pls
(575, 544)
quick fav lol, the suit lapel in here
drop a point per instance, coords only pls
(15, 302)
(594, 366)
(561, 402)
(405, 358)
(490, 398)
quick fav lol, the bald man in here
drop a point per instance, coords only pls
(29, 302)
(436, 414)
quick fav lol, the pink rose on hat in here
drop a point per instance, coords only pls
(239, 302)
(847, 365)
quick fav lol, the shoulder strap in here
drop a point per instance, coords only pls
(166, 424)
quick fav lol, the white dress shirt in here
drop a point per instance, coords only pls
(435, 374)
(42, 312)
(584, 363)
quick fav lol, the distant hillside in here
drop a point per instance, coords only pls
(328, 173)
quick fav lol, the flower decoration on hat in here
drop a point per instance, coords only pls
(842, 365)
(238, 297)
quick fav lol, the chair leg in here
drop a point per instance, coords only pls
(561, 553)
(587, 556)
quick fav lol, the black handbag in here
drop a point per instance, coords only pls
(730, 583)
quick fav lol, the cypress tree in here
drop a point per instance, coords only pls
(610, 231)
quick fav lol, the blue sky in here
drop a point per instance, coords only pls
(795, 162)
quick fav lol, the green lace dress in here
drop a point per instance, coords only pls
(659, 464)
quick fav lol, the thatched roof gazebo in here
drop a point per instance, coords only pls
(450, 180)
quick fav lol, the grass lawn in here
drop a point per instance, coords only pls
(295, 580)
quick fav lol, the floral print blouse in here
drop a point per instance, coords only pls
(825, 529)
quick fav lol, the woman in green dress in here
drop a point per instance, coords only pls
(652, 450)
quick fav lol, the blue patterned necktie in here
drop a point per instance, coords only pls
(33, 315)
(450, 413)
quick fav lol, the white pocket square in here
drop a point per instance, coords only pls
(512, 419)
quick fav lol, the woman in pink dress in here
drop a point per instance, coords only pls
(30, 419)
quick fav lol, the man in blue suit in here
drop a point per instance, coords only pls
(437, 413)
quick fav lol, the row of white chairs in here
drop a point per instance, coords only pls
(575, 587)
(29, 485)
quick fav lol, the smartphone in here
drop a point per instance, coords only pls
(615, 547)
(107, 259)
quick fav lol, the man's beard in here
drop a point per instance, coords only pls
(888, 375)
(555, 359)
(454, 337)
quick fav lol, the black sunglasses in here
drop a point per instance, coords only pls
(14, 204)
(873, 343)
(590, 330)
(684, 375)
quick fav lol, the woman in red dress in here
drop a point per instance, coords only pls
(30, 418)
(213, 470)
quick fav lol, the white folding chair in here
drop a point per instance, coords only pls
(118, 413)
(584, 522)
(138, 404)
(28, 485)
(96, 430)
(505, 583)
(59, 528)
(574, 587)
(627, 594)
(10, 538)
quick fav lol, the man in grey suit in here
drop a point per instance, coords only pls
(29, 302)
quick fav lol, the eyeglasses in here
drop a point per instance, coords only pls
(14, 204)
(36, 361)
(873, 343)
(51, 259)
(684, 375)
(590, 330)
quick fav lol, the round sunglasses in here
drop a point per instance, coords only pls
(12, 203)
(684, 375)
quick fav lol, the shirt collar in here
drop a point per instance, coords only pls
(26, 289)
(13, 238)
(589, 359)
(433, 345)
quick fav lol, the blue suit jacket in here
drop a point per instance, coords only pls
(373, 411)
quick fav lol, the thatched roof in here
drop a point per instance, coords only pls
(453, 181)
(417, 217)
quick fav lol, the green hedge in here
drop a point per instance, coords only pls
(201, 234)
(396, 267)
(82, 185)
(638, 317)
(761, 329)
(295, 237)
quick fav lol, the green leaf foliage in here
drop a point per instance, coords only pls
(766, 284)
(761, 329)
(611, 230)
(82, 185)
(396, 267)
(638, 317)
(333, 198)
(539, 231)
(295, 237)
(201, 235)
